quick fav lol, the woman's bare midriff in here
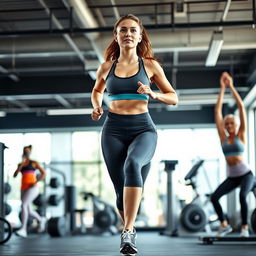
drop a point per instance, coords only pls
(128, 107)
(233, 160)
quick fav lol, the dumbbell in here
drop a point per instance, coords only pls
(7, 188)
(54, 182)
(7, 209)
(54, 200)
(40, 200)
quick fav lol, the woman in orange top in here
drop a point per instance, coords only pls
(29, 190)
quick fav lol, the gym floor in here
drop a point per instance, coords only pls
(149, 244)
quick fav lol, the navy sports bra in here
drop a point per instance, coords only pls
(28, 168)
(125, 88)
(234, 149)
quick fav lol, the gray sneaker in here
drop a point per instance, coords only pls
(128, 242)
(224, 230)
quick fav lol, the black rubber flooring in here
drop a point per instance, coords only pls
(149, 244)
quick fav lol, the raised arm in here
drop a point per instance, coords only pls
(97, 92)
(168, 94)
(218, 111)
(242, 114)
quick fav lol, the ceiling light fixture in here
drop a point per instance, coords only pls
(214, 48)
(73, 111)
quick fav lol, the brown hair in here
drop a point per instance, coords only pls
(144, 48)
(29, 146)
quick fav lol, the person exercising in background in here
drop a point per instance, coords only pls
(29, 190)
(129, 135)
(233, 140)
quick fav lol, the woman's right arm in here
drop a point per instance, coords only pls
(97, 93)
(218, 111)
(18, 170)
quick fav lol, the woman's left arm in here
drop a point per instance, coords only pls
(41, 170)
(240, 105)
(167, 94)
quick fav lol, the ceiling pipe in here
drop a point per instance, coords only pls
(67, 37)
(14, 77)
(87, 20)
(116, 12)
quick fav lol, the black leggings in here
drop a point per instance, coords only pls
(245, 182)
(128, 144)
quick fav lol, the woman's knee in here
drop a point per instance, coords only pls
(25, 206)
(132, 164)
(132, 172)
(242, 196)
(214, 198)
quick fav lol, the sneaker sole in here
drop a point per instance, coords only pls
(20, 235)
(128, 250)
(225, 233)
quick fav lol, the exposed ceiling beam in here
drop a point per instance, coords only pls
(17, 103)
(100, 17)
(46, 96)
(63, 101)
(116, 12)
(225, 13)
(67, 37)
(19, 33)
(14, 77)
(88, 22)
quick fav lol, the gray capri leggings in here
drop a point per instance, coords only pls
(128, 144)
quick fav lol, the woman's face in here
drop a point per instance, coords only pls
(26, 152)
(128, 34)
(230, 125)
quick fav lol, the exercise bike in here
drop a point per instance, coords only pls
(5, 226)
(194, 217)
(5, 230)
(105, 218)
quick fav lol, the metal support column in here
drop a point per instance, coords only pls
(171, 225)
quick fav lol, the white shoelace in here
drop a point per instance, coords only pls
(126, 235)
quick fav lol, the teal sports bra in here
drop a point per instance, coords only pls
(125, 88)
(234, 149)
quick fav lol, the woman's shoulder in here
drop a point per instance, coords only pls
(107, 64)
(151, 63)
(33, 162)
(105, 67)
